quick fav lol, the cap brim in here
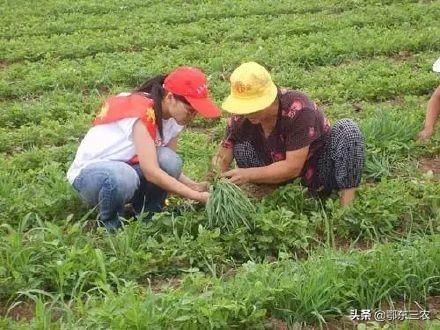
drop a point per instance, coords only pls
(436, 66)
(243, 106)
(205, 107)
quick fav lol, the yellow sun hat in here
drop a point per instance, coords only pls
(252, 89)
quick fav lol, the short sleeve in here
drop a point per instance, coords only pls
(176, 129)
(126, 125)
(170, 129)
(302, 130)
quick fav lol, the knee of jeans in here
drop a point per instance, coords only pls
(169, 161)
(125, 182)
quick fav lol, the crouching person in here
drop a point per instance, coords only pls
(129, 156)
(276, 135)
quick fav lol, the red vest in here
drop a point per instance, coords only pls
(129, 106)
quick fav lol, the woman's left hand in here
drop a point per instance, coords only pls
(201, 186)
(238, 175)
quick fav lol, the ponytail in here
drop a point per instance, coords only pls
(154, 87)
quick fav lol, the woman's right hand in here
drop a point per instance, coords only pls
(425, 134)
(202, 197)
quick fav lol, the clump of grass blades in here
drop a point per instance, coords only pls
(378, 166)
(228, 207)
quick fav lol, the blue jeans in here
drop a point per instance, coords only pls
(112, 184)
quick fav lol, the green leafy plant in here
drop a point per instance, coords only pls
(228, 208)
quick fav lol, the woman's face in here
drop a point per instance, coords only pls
(183, 113)
(263, 115)
(256, 117)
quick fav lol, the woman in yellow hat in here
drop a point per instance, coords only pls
(276, 135)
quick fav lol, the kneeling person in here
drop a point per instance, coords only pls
(129, 156)
(276, 135)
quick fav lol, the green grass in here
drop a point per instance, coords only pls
(306, 261)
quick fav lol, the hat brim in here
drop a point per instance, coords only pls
(243, 106)
(204, 106)
(436, 66)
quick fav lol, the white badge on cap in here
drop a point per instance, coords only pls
(436, 66)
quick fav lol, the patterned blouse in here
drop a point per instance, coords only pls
(300, 123)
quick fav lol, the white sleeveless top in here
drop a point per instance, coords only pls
(114, 141)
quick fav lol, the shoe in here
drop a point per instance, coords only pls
(112, 225)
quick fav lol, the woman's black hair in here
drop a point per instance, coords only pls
(154, 87)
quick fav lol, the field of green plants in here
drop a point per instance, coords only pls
(304, 262)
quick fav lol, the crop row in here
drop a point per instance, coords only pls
(372, 79)
(150, 13)
(57, 105)
(54, 122)
(293, 291)
(48, 133)
(298, 53)
(378, 79)
(143, 36)
(35, 182)
(60, 104)
(79, 17)
(41, 146)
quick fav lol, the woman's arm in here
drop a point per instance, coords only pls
(202, 186)
(277, 172)
(432, 114)
(146, 151)
(223, 159)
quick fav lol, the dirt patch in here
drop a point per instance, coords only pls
(159, 284)
(397, 100)
(3, 65)
(402, 55)
(432, 305)
(258, 191)
(277, 324)
(348, 245)
(102, 90)
(412, 310)
(357, 107)
(430, 164)
(23, 311)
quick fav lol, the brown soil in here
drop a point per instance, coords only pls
(402, 55)
(430, 164)
(258, 191)
(3, 64)
(277, 324)
(346, 245)
(23, 311)
(103, 91)
(357, 107)
(159, 284)
(432, 305)
(397, 100)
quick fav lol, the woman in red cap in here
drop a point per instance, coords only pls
(128, 156)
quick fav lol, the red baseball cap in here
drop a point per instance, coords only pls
(192, 85)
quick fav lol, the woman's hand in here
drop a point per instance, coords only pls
(203, 197)
(238, 175)
(201, 186)
(425, 134)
